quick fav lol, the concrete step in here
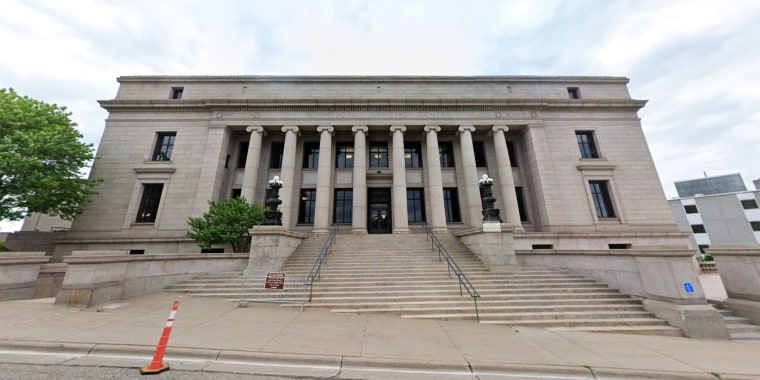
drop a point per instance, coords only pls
(489, 310)
(647, 330)
(550, 316)
(750, 336)
(466, 302)
(581, 322)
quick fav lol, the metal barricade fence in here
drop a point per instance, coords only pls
(252, 289)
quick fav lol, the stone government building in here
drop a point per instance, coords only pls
(378, 155)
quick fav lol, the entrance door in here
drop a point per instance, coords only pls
(379, 219)
(379, 211)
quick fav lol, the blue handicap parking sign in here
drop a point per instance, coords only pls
(689, 287)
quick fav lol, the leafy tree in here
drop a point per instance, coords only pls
(40, 159)
(226, 222)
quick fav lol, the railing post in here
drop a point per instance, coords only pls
(477, 313)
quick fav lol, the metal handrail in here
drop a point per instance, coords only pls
(316, 269)
(452, 266)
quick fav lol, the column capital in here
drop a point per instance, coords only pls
(465, 128)
(434, 128)
(497, 128)
(255, 128)
(290, 128)
(326, 128)
(359, 128)
(395, 128)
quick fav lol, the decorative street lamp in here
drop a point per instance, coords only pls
(490, 214)
(272, 217)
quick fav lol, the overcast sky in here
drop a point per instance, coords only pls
(697, 62)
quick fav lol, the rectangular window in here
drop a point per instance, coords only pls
(451, 204)
(378, 154)
(542, 246)
(573, 93)
(307, 203)
(755, 226)
(415, 205)
(149, 203)
(446, 154)
(412, 154)
(512, 154)
(602, 200)
(521, 203)
(310, 155)
(749, 204)
(698, 228)
(136, 251)
(242, 154)
(586, 144)
(236, 193)
(480, 154)
(164, 146)
(691, 209)
(344, 204)
(177, 92)
(344, 158)
(275, 155)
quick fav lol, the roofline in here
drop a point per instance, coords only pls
(371, 78)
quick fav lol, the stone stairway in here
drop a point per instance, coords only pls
(739, 328)
(400, 274)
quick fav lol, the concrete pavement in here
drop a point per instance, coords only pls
(216, 335)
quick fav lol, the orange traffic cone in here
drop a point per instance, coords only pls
(158, 365)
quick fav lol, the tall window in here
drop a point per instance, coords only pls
(415, 205)
(344, 156)
(412, 152)
(691, 209)
(307, 203)
(446, 154)
(242, 154)
(310, 155)
(749, 204)
(521, 203)
(512, 154)
(164, 146)
(275, 155)
(755, 226)
(602, 200)
(149, 203)
(378, 154)
(344, 203)
(586, 144)
(451, 204)
(480, 154)
(698, 228)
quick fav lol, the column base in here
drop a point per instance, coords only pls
(442, 230)
(402, 231)
(319, 232)
(358, 231)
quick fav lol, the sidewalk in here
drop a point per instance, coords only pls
(215, 335)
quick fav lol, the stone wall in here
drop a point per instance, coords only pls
(739, 268)
(18, 274)
(98, 277)
(50, 280)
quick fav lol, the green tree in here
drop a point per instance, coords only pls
(226, 222)
(40, 159)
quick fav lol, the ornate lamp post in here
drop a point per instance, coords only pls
(272, 217)
(490, 214)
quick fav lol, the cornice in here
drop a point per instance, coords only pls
(370, 79)
(347, 105)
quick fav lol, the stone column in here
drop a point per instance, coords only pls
(472, 191)
(506, 181)
(359, 222)
(435, 182)
(212, 171)
(398, 196)
(288, 173)
(252, 160)
(324, 179)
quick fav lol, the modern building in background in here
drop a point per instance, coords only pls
(722, 184)
(717, 217)
(379, 155)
